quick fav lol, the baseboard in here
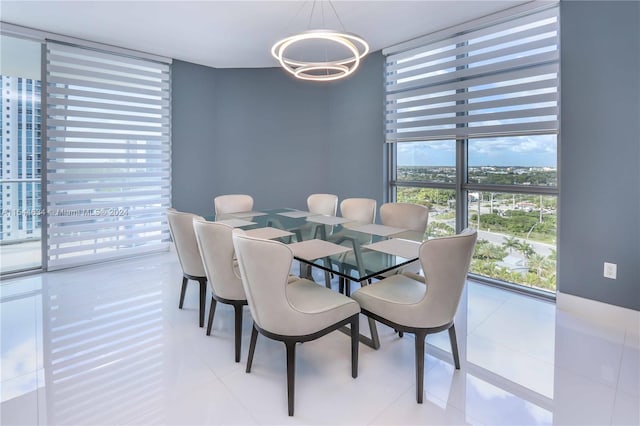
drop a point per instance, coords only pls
(612, 315)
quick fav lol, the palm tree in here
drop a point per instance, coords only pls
(511, 243)
(485, 267)
(537, 264)
(483, 251)
(526, 249)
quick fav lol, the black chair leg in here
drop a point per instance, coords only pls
(341, 285)
(291, 372)
(252, 348)
(203, 296)
(355, 340)
(400, 334)
(327, 280)
(420, 338)
(454, 346)
(185, 280)
(347, 287)
(212, 312)
(238, 317)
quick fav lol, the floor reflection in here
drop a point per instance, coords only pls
(107, 344)
(103, 347)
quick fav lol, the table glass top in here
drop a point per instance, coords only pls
(354, 250)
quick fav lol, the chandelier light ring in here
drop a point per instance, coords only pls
(292, 66)
(279, 49)
(284, 44)
(347, 40)
(302, 72)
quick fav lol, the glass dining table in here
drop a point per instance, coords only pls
(352, 251)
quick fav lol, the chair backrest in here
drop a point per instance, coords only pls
(184, 240)
(445, 262)
(233, 203)
(405, 215)
(359, 209)
(323, 204)
(264, 266)
(216, 249)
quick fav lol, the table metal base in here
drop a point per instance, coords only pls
(373, 341)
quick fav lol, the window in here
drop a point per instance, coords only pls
(108, 159)
(471, 125)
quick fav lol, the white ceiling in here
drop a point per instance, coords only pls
(237, 34)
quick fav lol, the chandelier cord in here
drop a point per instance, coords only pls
(302, 5)
(313, 8)
(337, 16)
(326, 53)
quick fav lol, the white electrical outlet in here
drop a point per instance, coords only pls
(610, 270)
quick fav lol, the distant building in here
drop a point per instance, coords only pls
(20, 153)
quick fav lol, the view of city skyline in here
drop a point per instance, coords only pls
(20, 168)
(522, 151)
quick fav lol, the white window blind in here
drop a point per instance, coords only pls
(108, 155)
(498, 80)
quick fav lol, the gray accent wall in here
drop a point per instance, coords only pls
(599, 214)
(263, 133)
(272, 137)
(193, 144)
(249, 131)
(356, 126)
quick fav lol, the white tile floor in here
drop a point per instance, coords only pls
(108, 345)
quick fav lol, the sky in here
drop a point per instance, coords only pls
(533, 151)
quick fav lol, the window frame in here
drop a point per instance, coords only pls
(462, 186)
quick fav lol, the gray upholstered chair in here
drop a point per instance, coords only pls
(424, 305)
(184, 240)
(326, 204)
(413, 217)
(233, 203)
(216, 248)
(290, 312)
(359, 209)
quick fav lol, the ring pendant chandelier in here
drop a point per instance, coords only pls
(353, 49)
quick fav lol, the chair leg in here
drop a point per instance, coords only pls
(185, 280)
(400, 334)
(420, 338)
(305, 271)
(347, 287)
(355, 340)
(341, 285)
(252, 348)
(327, 280)
(454, 346)
(203, 296)
(291, 373)
(238, 316)
(212, 312)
